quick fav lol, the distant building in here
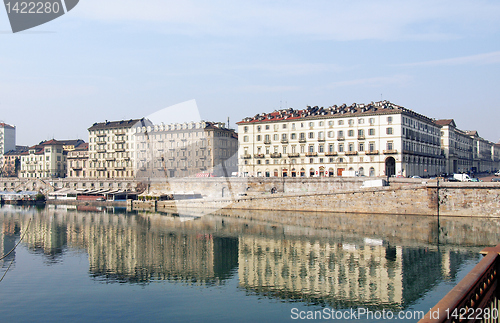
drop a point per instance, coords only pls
(200, 149)
(78, 161)
(457, 147)
(12, 161)
(111, 147)
(376, 139)
(7, 141)
(483, 154)
(47, 159)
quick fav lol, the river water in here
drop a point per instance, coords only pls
(109, 265)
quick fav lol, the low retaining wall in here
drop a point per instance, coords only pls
(455, 199)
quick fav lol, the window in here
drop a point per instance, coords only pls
(371, 132)
(361, 146)
(267, 127)
(341, 122)
(284, 126)
(331, 148)
(311, 148)
(371, 121)
(245, 129)
(321, 148)
(390, 145)
(311, 124)
(267, 140)
(351, 147)
(330, 134)
(351, 122)
(351, 133)
(284, 149)
(321, 135)
(245, 138)
(361, 121)
(321, 123)
(389, 120)
(258, 128)
(371, 146)
(258, 138)
(283, 137)
(330, 123)
(311, 135)
(361, 133)
(293, 136)
(275, 137)
(341, 148)
(389, 131)
(302, 136)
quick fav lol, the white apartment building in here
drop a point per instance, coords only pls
(376, 139)
(185, 149)
(7, 141)
(483, 154)
(457, 147)
(111, 149)
(78, 162)
(47, 159)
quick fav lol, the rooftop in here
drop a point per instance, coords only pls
(116, 124)
(316, 112)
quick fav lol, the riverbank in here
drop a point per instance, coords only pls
(446, 199)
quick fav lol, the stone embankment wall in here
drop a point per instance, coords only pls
(455, 199)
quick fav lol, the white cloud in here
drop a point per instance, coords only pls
(372, 82)
(340, 20)
(480, 59)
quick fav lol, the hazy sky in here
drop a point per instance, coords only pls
(122, 59)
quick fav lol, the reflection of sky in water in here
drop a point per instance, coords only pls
(84, 266)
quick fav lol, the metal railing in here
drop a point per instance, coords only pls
(475, 298)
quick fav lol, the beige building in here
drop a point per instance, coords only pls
(12, 162)
(47, 159)
(111, 147)
(78, 162)
(200, 149)
(376, 139)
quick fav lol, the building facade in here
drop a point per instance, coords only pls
(7, 141)
(47, 159)
(457, 147)
(12, 162)
(483, 154)
(111, 148)
(376, 139)
(78, 162)
(200, 149)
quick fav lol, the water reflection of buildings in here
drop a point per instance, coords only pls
(285, 262)
(342, 274)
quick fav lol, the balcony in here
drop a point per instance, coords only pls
(292, 155)
(110, 158)
(258, 156)
(311, 154)
(371, 152)
(302, 140)
(332, 153)
(77, 167)
(267, 142)
(120, 168)
(246, 156)
(101, 135)
(119, 150)
(390, 152)
(341, 138)
(100, 150)
(361, 137)
(121, 141)
(321, 139)
(351, 153)
(100, 168)
(284, 141)
(276, 155)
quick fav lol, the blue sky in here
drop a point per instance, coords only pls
(122, 59)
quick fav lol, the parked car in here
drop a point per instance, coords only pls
(497, 173)
(452, 179)
(494, 179)
(473, 179)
